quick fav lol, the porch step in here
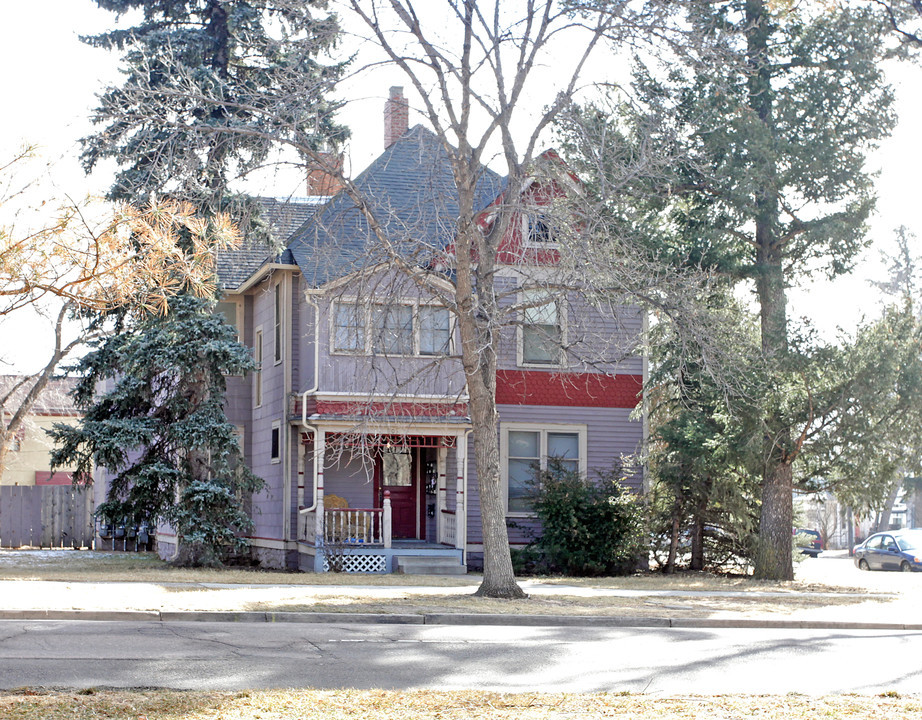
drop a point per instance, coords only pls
(431, 565)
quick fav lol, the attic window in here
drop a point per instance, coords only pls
(539, 229)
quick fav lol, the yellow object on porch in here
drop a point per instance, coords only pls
(345, 526)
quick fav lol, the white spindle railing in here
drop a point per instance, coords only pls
(449, 527)
(357, 526)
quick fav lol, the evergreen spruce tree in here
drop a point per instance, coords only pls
(160, 429)
(187, 122)
(190, 116)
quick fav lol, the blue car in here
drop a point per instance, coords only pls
(891, 550)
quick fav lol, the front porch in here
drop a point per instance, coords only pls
(382, 502)
(413, 557)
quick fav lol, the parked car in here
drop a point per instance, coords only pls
(891, 550)
(810, 542)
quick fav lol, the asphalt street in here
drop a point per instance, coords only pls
(265, 655)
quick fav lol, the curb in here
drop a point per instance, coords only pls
(449, 619)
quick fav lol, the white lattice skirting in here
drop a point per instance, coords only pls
(360, 563)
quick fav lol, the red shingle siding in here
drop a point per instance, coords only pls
(537, 387)
(393, 409)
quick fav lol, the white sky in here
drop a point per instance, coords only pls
(49, 80)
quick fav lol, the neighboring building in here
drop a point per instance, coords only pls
(28, 459)
(357, 417)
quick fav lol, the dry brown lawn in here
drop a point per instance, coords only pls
(34, 704)
(94, 566)
(566, 605)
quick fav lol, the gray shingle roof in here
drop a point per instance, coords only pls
(283, 216)
(411, 190)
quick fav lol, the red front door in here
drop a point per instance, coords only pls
(397, 472)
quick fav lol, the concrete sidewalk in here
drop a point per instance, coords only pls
(212, 602)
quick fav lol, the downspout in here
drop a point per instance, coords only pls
(285, 290)
(310, 391)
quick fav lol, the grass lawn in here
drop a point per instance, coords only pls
(35, 704)
(94, 566)
(148, 583)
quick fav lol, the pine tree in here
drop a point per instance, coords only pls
(160, 428)
(768, 116)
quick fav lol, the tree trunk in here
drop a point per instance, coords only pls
(476, 308)
(774, 555)
(697, 543)
(887, 509)
(498, 577)
(697, 539)
(669, 567)
(773, 559)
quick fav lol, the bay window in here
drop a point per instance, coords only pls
(396, 329)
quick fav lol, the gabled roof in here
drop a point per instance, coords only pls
(284, 216)
(411, 190)
(55, 399)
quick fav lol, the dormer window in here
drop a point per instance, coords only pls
(539, 229)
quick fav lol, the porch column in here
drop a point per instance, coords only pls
(442, 490)
(386, 519)
(320, 444)
(302, 454)
(460, 518)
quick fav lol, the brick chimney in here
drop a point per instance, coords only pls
(321, 178)
(396, 117)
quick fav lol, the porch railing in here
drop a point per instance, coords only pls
(354, 526)
(449, 528)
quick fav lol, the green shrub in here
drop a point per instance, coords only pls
(589, 527)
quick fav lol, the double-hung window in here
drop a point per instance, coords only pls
(434, 330)
(393, 329)
(526, 450)
(258, 374)
(349, 327)
(277, 339)
(541, 329)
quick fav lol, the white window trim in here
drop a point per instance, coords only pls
(259, 352)
(368, 317)
(278, 327)
(542, 429)
(238, 313)
(562, 317)
(276, 426)
(527, 242)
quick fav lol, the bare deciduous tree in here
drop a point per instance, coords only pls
(89, 256)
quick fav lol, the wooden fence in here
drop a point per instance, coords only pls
(50, 516)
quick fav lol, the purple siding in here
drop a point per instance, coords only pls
(610, 434)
